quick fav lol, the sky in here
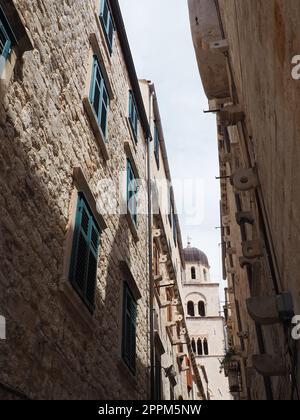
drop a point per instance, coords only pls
(161, 44)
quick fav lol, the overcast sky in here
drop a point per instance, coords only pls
(161, 44)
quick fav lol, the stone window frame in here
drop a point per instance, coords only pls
(95, 51)
(68, 293)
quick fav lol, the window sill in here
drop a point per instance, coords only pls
(74, 303)
(132, 227)
(95, 127)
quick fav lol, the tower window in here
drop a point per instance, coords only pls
(205, 347)
(191, 308)
(194, 345)
(193, 273)
(199, 347)
(201, 308)
(205, 274)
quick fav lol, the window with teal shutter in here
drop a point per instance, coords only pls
(133, 116)
(132, 192)
(174, 229)
(99, 97)
(107, 23)
(84, 260)
(5, 39)
(156, 145)
(129, 329)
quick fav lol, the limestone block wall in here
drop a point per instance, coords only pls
(55, 349)
(263, 40)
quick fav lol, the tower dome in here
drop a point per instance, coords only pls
(195, 255)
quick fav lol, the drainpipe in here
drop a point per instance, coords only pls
(150, 256)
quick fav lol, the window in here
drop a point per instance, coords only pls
(5, 38)
(84, 260)
(205, 274)
(189, 374)
(193, 273)
(156, 146)
(107, 23)
(170, 209)
(99, 97)
(129, 329)
(158, 378)
(155, 260)
(201, 308)
(191, 309)
(133, 116)
(193, 346)
(174, 228)
(205, 347)
(170, 308)
(132, 192)
(199, 347)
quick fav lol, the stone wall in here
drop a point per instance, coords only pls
(261, 42)
(54, 348)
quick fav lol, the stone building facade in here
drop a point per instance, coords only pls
(65, 339)
(74, 239)
(205, 322)
(244, 51)
(176, 373)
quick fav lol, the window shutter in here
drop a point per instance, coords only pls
(5, 42)
(156, 146)
(129, 329)
(131, 192)
(99, 97)
(84, 262)
(133, 118)
(107, 23)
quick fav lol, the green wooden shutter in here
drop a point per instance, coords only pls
(99, 97)
(5, 41)
(174, 228)
(107, 23)
(133, 117)
(156, 146)
(84, 261)
(132, 192)
(129, 329)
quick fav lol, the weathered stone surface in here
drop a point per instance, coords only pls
(44, 133)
